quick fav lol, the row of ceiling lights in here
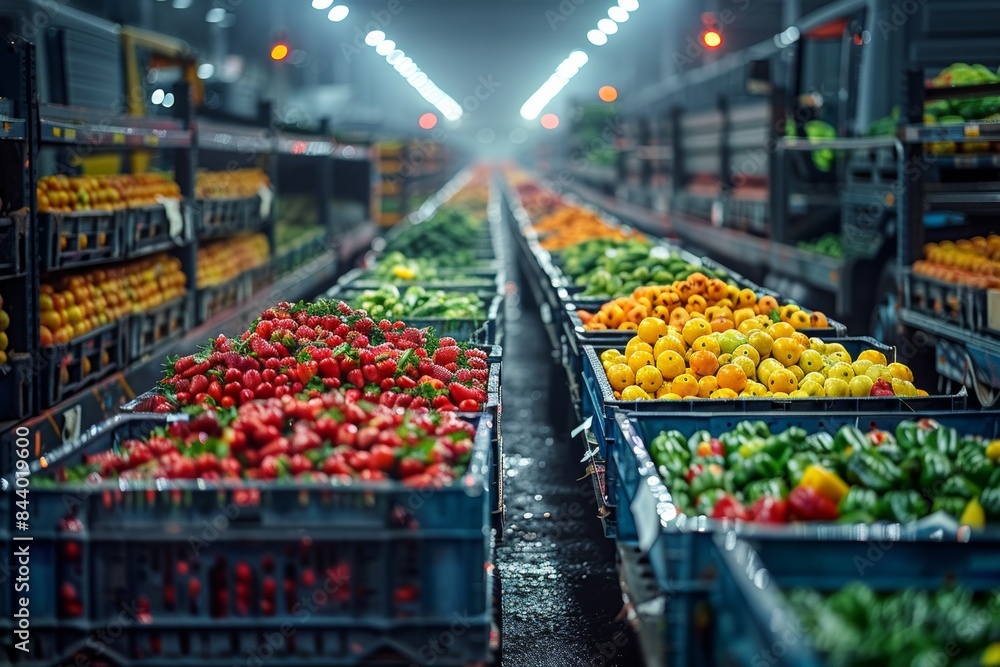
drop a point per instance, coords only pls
(448, 107)
(569, 67)
(337, 12)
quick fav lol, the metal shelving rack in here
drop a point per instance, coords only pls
(962, 354)
(26, 127)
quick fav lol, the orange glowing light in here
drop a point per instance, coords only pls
(608, 93)
(550, 121)
(427, 121)
(279, 52)
(712, 39)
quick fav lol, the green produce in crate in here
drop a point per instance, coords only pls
(859, 626)
(850, 476)
(416, 302)
(449, 237)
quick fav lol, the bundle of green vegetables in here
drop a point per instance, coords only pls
(416, 302)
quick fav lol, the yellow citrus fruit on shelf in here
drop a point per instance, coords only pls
(841, 370)
(639, 359)
(812, 388)
(903, 388)
(724, 393)
(706, 343)
(815, 376)
(818, 345)
(649, 379)
(811, 361)
(669, 342)
(800, 320)
(694, 329)
(667, 395)
(921, 392)
(780, 330)
(834, 347)
(748, 351)
(798, 393)
(898, 371)
(747, 326)
(873, 356)
(742, 315)
(797, 372)
(636, 343)
(861, 366)
(684, 385)
(762, 342)
(754, 389)
(732, 377)
(766, 367)
(746, 298)
(838, 357)
(860, 386)
(634, 393)
(621, 376)
(609, 355)
(649, 330)
(782, 380)
(801, 339)
(670, 364)
(628, 326)
(703, 362)
(787, 351)
(747, 365)
(879, 372)
(707, 385)
(785, 312)
(836, 388)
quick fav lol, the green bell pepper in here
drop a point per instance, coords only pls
(892, 452)
(973, 462)
(710, 478)
(760, 466)
(990, 500)
(859, 499)
(946, 440)
(821, 443)
(953, 505)
(960, 486)
(851, 438)
(906, 434)
(669, 447)
(935, 467)
(904, 506)
(868, 467)
(773, 488)
(751, 446)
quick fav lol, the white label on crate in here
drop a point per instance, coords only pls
(71, 423)
(266, 197)
(647, 521)
(175, 217)
(582, 427)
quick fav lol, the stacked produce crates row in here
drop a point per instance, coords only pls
(317, 490)
(790, 491)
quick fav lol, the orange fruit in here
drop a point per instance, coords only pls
(800, 320)
(636, 344)
(649, 379)
(707, 385)
(746, 298)
(639, 359)
(670, 364)
(724, 393)
(787, 351)
(694, 329)
(721, 324)
(732, 376)
(818, 320)
(873, 356)
(704, 362)
(649, 330)
(684, 385)
(668, 342)
(766, 304)
(620, 376)
(707, 343)
(747, 364)
(780, 330)
(782, 381)
(749, 351)
(801, 339)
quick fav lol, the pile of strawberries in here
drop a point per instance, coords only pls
(335, 435)
(310, 349)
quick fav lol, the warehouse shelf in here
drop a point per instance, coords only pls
(100, 401)
(233, 138)
(306, 146)
(958, 132)
(983, 350)
(965, 161)
(12, 129)
(76, 126)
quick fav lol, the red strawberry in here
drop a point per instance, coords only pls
(446, 355)
(360, 341)
(440, 373)
(305, 333)
(464, 376)
(387, 368)
(199, 384)
(447, 341)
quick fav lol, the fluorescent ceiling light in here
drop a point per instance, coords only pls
(385, 47)
(566, 70)
(215, 15)
(617, 14)
(629, 5)
(597, 38)
(607, 26)
(408, 69)
(374, 38)
(339, 13)
(322, 4)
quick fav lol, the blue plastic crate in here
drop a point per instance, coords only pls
(752, 617)
(212, 570)
(680, 547)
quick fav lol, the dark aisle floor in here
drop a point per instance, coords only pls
(560, 585)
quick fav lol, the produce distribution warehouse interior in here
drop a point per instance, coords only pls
(500, 332)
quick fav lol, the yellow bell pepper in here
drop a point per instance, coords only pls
(993, 451)
(825, 482)
(991, 656)
(973, 516)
